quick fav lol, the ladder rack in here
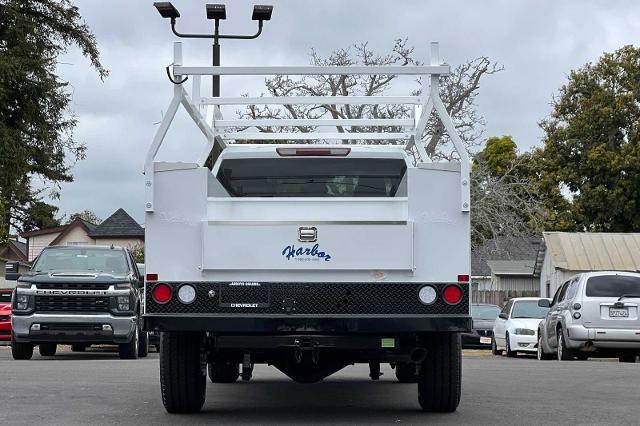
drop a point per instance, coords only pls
(205, 112)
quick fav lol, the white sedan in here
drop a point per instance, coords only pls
(516, 328)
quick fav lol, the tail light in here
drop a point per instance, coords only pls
(152, 277)
(463, 278)
(313, 152)
(452, 294)
(161, 293)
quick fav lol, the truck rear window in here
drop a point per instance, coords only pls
(613, 286)
(312, 177)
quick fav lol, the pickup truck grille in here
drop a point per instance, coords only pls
(65, 286)
(310, 299)
(71, 304)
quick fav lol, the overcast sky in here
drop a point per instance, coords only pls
(538, 42)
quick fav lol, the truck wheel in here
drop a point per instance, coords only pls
(130, 350)
(439, 381)
(223, 372)
(21, 350)
(78, 347)
(47, 349)
(182, 372)
(143, 344)
(406, 372)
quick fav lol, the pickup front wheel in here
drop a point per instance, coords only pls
(182, 372)
(439, 382)
(21, 350)
(130, 350)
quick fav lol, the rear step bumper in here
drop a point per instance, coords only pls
(230, 324)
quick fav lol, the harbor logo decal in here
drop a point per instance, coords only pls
(305, 253)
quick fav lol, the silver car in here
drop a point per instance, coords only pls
(593, 314)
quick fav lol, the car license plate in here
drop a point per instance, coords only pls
(485, 340)
(618, 312)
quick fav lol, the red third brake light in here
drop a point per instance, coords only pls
(452, 294)
(161, 293)
(463, 278)
(313, 152)
(152, 277)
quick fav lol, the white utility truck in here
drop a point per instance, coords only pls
(307, 257)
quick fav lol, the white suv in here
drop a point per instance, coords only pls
(593, 314)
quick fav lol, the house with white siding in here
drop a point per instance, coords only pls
(565, 254)
(119, 229)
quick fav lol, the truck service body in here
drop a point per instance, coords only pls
(308, 257)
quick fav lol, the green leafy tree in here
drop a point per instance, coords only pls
(591, 155)
(87, 215)
(36, 126)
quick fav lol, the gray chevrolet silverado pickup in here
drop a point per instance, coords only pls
(79, 295)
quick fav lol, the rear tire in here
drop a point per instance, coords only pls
(494, 348)
(406, 372)
(542, 356)
(223, 372)
(47, 349)
(563, 353)
(21, 350)
(510, 353)
(130, 350)
(182, 372)
(439, 382)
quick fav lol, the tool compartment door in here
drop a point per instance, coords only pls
(338, 246)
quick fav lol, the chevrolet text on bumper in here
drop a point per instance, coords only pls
(305, 257)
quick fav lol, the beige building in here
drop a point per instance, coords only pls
(118, 229)
(565, 254)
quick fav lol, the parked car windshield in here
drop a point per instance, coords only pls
(484, 312)
(528, 309)
(312, 177)
(613, 286)
(82, 259)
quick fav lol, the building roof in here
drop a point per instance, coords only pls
(44, 231)
(503, 249)
(593, 251)
(119, 224)
(512, 267)
(76, 222)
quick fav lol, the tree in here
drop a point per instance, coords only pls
(505, 203)
(36, 125)
(591, 155)
(87, 215)
(458, 92)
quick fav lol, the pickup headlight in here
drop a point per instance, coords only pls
(525, 332)
(123, 303)
(22, 302)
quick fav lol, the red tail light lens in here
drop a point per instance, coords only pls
(161, 293)
(152, 277)
(463, 278)
(452, 294)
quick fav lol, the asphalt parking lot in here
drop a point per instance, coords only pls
(98, 388)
